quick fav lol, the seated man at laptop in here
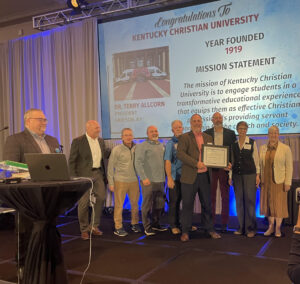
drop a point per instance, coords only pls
(32, 140)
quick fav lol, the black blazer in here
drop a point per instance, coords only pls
(81, 160)
(229, 136)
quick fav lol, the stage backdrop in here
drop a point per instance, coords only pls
(57, 71)
(236, 57)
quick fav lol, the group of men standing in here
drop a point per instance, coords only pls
(180, 160)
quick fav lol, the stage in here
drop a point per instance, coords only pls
(163, 258)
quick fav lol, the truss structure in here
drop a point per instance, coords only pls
(100, 10)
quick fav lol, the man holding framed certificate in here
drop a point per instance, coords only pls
(195, 178)
(222, 137)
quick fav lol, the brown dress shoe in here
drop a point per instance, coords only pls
(184, 237)
(214, 235)
(175, 231)
(85, 236)
(278, 233)
(97, 232)
(251, 234)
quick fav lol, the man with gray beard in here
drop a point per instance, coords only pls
(149, 165)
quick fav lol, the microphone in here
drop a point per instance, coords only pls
(4, 128)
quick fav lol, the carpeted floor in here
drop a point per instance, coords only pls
(163, 258)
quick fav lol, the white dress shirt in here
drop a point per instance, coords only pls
(96, 151)
(218, 138)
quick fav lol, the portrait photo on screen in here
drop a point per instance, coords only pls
(141, 74)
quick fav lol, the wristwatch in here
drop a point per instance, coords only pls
(296, 229)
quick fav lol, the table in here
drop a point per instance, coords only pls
(42, 202)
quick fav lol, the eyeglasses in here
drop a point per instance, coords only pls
(45, 120)
(242, 128)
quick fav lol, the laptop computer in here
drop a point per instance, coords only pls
(47, 167)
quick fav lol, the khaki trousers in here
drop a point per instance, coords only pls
(120, 191)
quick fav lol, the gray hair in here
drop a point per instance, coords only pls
(174, 121)
(124, 129)
(273, 127)
(27, 114)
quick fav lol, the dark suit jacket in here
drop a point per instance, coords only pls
(15, 147)
(81, 160)
(20, 143)
(188, 153)
(229, 138)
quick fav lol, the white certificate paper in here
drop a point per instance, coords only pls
(215, 156)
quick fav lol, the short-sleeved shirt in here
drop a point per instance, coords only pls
(170, 155)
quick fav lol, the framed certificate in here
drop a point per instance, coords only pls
(215, 156)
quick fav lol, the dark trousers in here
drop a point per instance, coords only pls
(202, 186)
(222, 176)
(153, 198)
(99, 191)
(245, 196)
(174, 205)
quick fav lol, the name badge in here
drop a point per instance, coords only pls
(247, 147)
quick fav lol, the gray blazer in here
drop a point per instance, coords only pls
(20, 143)
(188, 153)
(81, 160)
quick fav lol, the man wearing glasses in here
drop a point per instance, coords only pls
(32, 140)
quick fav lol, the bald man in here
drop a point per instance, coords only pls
(87, 160)
(149, 165)
(195, 178)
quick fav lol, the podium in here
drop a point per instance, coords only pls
(42, 202)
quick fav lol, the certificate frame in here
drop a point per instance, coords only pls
(214, 156)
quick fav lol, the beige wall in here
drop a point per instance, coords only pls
(16, 31)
